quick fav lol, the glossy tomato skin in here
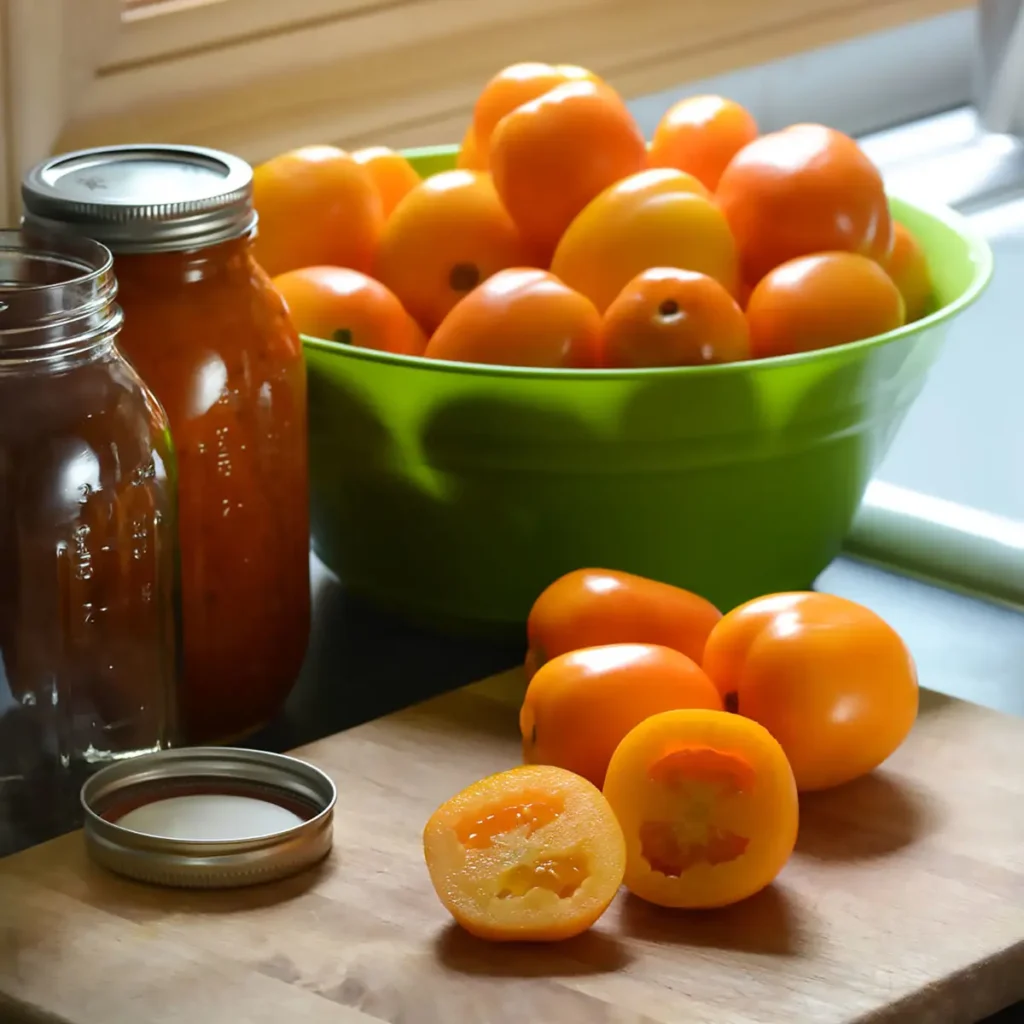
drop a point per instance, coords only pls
(594, 607)
(701, 134)
(820, 301)
(551, 156)
(392, 174)
(641, 223)
(471, 157)
(907, 265)
(828, 678)
(670, 317)
(580, 705)
(515, 85)
(802, 190)
(442, 239)
(316, 207)
(521, 317)
(348, 307)
(707, 804)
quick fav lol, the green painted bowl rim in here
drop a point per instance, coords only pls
(980, 255)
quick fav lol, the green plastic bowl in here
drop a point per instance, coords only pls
(455, 493)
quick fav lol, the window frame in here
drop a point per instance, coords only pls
(258, 76)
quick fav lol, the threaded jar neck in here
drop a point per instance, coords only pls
(57, 296)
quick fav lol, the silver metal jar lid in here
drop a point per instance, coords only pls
(143, 198)
(209, 817)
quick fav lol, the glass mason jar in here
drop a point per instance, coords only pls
(88, 656)
(209, 334)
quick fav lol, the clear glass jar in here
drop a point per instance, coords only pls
(88, 546)
(209, 334)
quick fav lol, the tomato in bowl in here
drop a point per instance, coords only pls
(455, 492)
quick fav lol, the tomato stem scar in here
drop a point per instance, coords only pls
(464, 277)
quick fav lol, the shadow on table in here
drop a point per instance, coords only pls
(767, 923)
(593, 952)
(873, 816)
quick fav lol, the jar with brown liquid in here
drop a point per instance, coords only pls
(208, 333)
(88, 543)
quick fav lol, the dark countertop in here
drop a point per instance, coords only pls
(363, 663)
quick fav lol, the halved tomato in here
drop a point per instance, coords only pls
(534, 853)
(708, 805)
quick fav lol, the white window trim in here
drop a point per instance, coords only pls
(260, 76)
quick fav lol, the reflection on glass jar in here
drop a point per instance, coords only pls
(211, 337)
(87, 538)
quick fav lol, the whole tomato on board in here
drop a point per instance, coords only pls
(669, 317)
(317, 207)
(828, 678)
(701, 134)
(628, 229)
(551, 156)
(534, 854)
(819, 301)
(521, 317)
(708, 807)
(443, 238)
(803, 190)
(515, 85)
(594, 607)
(348, 307)
(580, 705)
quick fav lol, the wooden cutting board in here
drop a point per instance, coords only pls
(904, 902)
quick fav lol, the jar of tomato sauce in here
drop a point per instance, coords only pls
(208, 333)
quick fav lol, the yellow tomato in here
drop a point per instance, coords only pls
(657, 218)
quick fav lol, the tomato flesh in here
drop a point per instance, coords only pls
(534, 853)
(480, 832)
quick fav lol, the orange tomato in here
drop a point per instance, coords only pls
(350, 308)
(580, 705)
(470, 156)
(907, 265)
(708, 807)
(520, 317)
(445, 237)
(317, 207)
(532, 854)
(593, 607)
(551, 156)
(392, 174)
(829, 679)
(669, 317)
(701, 134)
(515, 85)
(624, 231)
(803, 190)
(819, 301)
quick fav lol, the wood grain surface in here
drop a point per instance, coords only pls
(904, 902)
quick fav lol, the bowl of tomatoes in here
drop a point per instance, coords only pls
(565, 346)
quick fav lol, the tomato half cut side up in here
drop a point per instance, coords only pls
(531, 854)
(708, 805)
